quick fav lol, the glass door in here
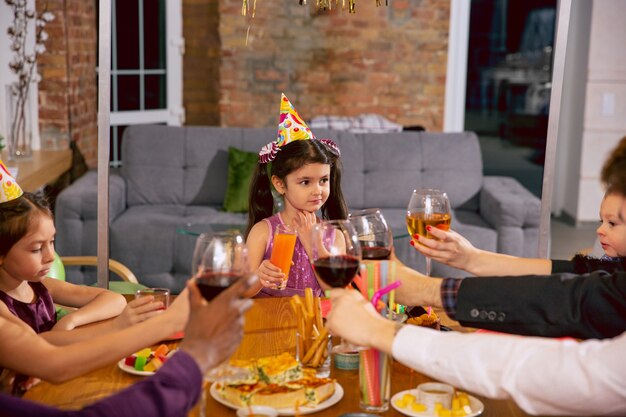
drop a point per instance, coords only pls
(146, 50)
(509, 72)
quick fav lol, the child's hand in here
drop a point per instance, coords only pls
(303, 223)
(16, 384)
(270, 276)
(178, 311)
(138, 310)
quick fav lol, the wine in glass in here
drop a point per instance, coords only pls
(428, 207)
(335, 256)
(374, 235)
(219, 260)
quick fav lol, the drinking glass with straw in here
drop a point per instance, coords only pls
(375, 370)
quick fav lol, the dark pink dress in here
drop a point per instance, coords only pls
(40, 315)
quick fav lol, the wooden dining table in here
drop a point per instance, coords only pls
(269, 329)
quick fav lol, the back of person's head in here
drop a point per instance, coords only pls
(291, 157)
(17, 216)
(614, 170)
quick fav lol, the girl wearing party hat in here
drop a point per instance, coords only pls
(306, 172)
(27, 295)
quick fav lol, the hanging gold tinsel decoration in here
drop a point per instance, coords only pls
(245, 7)
(319, 4)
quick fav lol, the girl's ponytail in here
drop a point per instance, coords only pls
(335, 207)
(260, 200)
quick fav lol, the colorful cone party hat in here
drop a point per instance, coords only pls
(290, 128)
(9, 190)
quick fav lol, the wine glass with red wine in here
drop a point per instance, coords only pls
(374, 235)
(219, 260)
(335, 255)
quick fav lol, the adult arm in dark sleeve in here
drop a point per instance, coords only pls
(171, 392)
(581, 306)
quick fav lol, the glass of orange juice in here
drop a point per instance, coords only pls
(282, 251)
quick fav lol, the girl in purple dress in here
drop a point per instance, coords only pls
(306, 172)
(27, 295)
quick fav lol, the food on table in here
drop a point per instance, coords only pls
(281, 383)
(312, 343)
(147, 360)
(460, 405)
(279, 369)
(425, 320)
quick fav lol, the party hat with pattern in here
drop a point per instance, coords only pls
(290, 128)
(9, 190)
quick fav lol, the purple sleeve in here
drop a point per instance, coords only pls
(171, 392)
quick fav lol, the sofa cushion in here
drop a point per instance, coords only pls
(241, 167)
(402, 162)
(153, 157)
(191, 165)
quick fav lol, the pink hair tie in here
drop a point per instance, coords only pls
(268, 152)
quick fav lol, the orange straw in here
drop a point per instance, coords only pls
(368, 375)
(376, 366)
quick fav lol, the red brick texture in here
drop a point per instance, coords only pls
(385, 60)
(68, 89)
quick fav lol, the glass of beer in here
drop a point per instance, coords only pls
(282, 250)
(427, 207)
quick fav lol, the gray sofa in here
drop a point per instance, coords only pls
(173, 182)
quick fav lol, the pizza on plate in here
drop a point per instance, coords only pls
(281, 383)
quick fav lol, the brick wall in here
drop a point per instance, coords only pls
(386, 60)
(201, 71)
(68, 89)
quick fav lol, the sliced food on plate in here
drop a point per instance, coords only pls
(280, 382)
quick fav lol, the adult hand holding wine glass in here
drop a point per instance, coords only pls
(427, 209)
(449, 248)
(220, 259)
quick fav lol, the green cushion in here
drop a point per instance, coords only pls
(57, 270)
(241, 166)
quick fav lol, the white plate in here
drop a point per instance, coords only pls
(132, 370)
(475, 404)
(304, 409)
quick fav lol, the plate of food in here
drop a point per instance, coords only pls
(280, 382)
(406, 403)
(146, 361)
(282, 398)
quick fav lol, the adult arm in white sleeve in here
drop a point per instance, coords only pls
(543, 376)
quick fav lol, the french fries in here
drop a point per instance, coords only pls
(313, 341)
